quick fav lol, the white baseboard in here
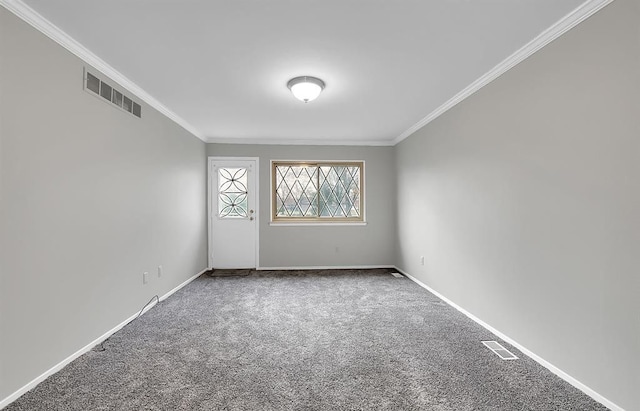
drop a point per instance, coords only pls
(11, 398)
(557, 371)
(185, 282)
(325, 267)
(546, 364)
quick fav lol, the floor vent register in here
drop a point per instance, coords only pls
(500, 350)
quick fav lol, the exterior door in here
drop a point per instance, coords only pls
(233, 213)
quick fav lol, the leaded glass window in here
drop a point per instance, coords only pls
(232, 192)
(320, 191)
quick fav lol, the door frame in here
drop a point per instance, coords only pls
(210, 191)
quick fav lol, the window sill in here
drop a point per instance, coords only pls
(314, 224)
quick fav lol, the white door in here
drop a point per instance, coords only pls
(233, 213)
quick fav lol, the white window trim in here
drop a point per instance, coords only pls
(314, 224)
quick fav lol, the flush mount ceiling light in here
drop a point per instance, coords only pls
(306, 88)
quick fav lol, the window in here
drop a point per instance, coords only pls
(232, 193)
(304, 191)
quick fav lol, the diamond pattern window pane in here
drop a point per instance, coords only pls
(232, 193)
(296, 191)
(317, 191)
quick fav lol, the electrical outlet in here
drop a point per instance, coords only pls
(159, 271)
(421, 260)
(145, 277)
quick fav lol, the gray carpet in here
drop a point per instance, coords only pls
(302, 340)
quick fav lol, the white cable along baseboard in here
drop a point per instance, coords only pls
(11, 398)
(557, 371)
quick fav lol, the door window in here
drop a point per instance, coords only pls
(232, 192)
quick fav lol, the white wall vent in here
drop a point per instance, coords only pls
(502, 352)
(97, 87)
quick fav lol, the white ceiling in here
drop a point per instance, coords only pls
(222, 66)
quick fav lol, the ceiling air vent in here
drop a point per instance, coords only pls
(97, 87)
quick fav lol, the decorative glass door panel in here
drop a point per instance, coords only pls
(232, 193)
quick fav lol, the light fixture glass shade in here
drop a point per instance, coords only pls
(306, 88)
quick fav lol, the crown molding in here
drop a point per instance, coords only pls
(565, 24)
(33, 18)
(41, 24)
(300, 142)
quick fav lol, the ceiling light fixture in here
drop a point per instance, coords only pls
(306, 88)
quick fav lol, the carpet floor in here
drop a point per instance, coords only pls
(302, 340)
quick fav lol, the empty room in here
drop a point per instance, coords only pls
(305, 205)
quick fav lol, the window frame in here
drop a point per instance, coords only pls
(277, 220)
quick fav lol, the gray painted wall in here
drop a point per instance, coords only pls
(90, 198)
(524, 200)
(370, 245)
